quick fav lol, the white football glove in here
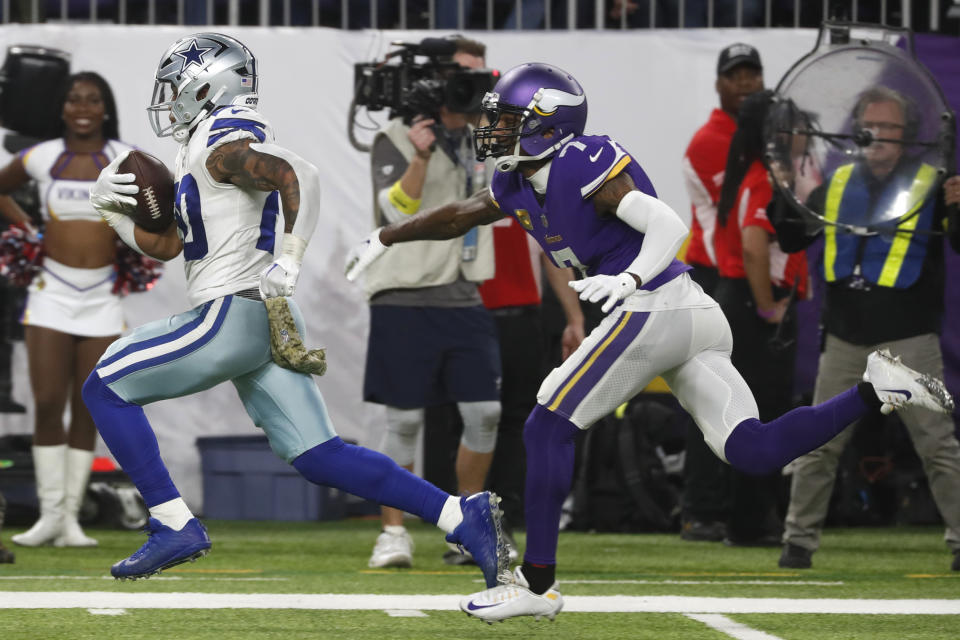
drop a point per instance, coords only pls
(363, 255)
(111, 193)
(280, 278)
(613, 288)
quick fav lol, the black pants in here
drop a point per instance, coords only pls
(11, 305)
(705, 477)
(521, 354)
(765, 355)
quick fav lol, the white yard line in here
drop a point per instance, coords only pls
(801, 583)
(405, 613)
(107, 612)
(348, 601)
(732, 628)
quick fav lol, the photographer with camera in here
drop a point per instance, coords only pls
(431, 340)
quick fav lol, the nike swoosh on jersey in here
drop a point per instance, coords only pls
(475, 607)
(594, 157)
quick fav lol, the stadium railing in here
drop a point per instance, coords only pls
(921, 15)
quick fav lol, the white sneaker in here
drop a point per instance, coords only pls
(392, 550)
(898, 386)
(513, 599)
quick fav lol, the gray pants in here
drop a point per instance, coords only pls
(224, 339)
(841, 366)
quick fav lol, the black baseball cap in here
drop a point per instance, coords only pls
(737, 54)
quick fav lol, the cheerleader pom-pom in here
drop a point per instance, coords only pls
(21, 255)
(134, 272)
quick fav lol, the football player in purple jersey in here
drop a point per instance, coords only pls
(589, 204)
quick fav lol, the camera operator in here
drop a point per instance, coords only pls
(431, 340)
(883, 291)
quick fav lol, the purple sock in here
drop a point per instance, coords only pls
(370, 475)
(759, 449)
(127, 433)
(550, 442)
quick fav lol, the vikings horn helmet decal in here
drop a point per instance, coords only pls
(532, 112)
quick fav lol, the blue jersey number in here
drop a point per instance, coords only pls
(190, 220)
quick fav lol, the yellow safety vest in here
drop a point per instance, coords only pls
(887, 262)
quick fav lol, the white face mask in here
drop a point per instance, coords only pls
(539, 180)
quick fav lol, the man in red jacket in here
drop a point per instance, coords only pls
(739, 74)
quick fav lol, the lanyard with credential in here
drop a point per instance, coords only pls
(475, 175)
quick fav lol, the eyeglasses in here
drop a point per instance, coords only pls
(882, 126)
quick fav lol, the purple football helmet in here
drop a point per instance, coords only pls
(536, 99)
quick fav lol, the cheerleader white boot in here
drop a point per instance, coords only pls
(76, 477)
(49, 468)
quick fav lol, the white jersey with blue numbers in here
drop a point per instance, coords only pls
(227, 232)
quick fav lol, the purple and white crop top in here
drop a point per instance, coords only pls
(60, 198)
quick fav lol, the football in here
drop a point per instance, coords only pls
(154, 210)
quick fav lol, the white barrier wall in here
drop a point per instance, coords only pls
(650, 90)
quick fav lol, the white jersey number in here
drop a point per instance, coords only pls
(566, 257)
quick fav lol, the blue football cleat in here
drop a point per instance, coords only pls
(163, 549)
(481, 533)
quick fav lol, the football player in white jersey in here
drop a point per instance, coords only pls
(232, 183)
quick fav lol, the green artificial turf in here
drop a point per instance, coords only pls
(316, 558)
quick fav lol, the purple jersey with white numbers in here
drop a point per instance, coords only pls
(566, 225)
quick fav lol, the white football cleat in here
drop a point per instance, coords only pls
(513, 599)
(392, 550)
(898, 386)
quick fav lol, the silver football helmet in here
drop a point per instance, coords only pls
(196, 74)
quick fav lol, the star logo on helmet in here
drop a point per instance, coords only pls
(192, 55)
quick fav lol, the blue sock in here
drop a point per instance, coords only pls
(125, 429)
(759, 449)
(370, 475)
(550, 441)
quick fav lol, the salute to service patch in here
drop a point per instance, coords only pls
(286, 346)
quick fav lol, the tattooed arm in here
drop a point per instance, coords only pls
(259, 167)
(268, 167)
(444, 222)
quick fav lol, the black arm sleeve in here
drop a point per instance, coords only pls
(791, 225)
(953, 227)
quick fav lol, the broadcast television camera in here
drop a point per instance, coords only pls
(411, 88)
